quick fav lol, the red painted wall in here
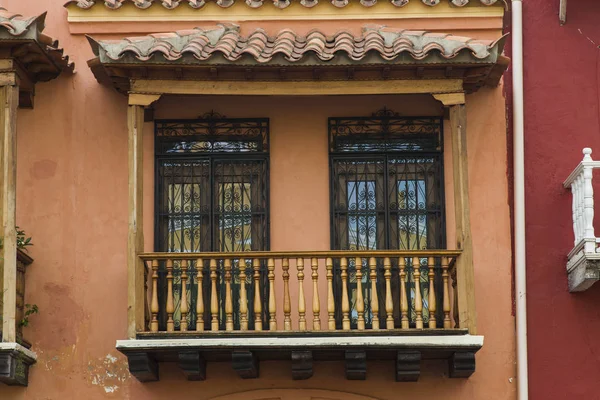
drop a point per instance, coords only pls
(562, 114)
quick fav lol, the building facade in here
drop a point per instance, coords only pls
(560, 264)
(249, 200)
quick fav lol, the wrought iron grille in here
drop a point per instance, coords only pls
(387, 192)
(212, 194)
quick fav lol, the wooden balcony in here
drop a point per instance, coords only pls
(352, 306)
(15, 356)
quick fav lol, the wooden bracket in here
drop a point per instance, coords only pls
(462, 364)
(143, 367)
(450, 99)
(356, 365)
(139, 99)
(408, 366)
(302, 365)
(245, 364)
(193, 365)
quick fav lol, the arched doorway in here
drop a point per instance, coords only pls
(293, 394)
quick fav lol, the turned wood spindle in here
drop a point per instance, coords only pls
(446, 289)
(314, 265)
(418, 299)
(330, 298)
(432, 305)
(184, 300)
(228, 296)
(199, 295)
(154, 303)
(243, 297)
(214, 301)
(257, 300)
(389, 302)
(345, 300)
(455, 309)
(272, 300)
(374, 297)
(360, 301)
(287, 303)
(403, 298)
(301, 300)
(170, 304)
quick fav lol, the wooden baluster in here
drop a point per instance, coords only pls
(257, 300)
(446, 289)
(170, 305)
(345, 301)
(184, 300)
(418, 298)
(432, 305)
(455, 308)
(272, 300)
(214, 301)
(389, 302)
(301, 301)
(154, 303)
(199, 295)
(374, 296)
(243, 296)
(403, 298)
(314, 263)
(360, 301)
(228, 296)
(287, 303)
(330, 298)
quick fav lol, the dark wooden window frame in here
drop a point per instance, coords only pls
(377, 139)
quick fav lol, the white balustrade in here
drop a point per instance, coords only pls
(580, 183)
(584, 260)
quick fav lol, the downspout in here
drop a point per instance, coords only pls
(519, 199)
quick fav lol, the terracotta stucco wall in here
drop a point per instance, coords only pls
(72, 198)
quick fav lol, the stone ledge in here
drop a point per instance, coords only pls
(583, 271)
(246, 352)
(15, 361)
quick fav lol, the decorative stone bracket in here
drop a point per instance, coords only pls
(15, 361)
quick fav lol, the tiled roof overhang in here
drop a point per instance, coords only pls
(171, 4)
(221, 53)
(37, 57)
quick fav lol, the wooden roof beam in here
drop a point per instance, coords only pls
(320, 88)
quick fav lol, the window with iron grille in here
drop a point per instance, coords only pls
(387, 193)
(212, 195)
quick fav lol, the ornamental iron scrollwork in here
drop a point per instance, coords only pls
(385, 130)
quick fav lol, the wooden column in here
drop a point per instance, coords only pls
(9, 100)
(464, 263)
(135, 237)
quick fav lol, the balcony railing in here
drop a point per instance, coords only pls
(583, 264)
(348, 306)
(15, 356)
(23, 260)
(257, 291)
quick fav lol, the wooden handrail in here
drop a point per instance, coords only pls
(300, 254)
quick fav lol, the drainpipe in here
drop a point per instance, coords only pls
(519, 200)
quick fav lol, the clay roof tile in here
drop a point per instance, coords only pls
(18, 29)
(389, 43)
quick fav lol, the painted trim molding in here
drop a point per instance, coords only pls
(430, 342)
(240, 11)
